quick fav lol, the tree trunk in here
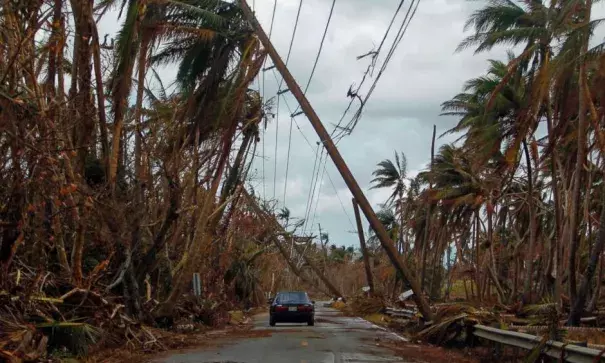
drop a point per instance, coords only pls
(578, 304)
(573, 239)
(529, 259)
(96, 53)
(477, 256)
(592, 305)
(427, 223)
(55, 47)
(82, 104)
(121, 85)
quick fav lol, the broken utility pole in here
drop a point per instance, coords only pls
(342, 167)
(275, 224)
(271, 221)
(364, 250)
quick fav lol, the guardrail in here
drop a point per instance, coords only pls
(557, 350)
(403, 313)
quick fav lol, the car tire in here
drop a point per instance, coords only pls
(271, 321)
(311, 322)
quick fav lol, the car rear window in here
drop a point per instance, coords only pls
(292, 297)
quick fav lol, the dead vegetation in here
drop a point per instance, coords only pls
(109, 204)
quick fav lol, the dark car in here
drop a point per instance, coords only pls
(292, 307)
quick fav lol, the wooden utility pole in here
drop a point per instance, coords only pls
(319, 274)
(342, 167)
(364, 250)
(269, 219)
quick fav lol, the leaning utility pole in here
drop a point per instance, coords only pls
(364, 250)
(325, 138)
(271, 221)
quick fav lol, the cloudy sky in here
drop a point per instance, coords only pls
(424, 71)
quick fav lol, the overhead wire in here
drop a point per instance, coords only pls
(321, 45)
(402, 30)
(288, 160)
(311, 191)
(369, 71)
(300, 3)
(342, 131)
(263, 96)
(275, 151)
(314, 151)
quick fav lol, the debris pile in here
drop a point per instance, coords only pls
(452, 321)
(82, 322)
(367, 305)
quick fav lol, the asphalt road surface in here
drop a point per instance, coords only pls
(333, 339)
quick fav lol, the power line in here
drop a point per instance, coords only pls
(275, 152)
(321, 45)
(272, 19)
(323, 38)
(263, 97)
(402, 30)
(315, 152)
(292, 39)
(288, 160)
(311, 190)
(369, 70)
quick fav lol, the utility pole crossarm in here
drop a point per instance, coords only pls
(346, 174)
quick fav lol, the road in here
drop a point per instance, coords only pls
(333, 339)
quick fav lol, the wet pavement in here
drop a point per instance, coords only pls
(334, 339)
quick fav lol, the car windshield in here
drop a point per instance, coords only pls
(292, 297)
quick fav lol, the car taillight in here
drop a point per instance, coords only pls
(280, 308)
(305, 308)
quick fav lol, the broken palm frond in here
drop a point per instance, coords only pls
(451, 322)
(544, 314)
(445, 331)
(20, 341)
(73, 336)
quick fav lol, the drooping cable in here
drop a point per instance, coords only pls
(310, 196)
(354, 94)
(308, 81)
(276, 115)
(275, 151)
(321, 45)
(402, 30)
(300, 3)
(315, 168)
(288, 159)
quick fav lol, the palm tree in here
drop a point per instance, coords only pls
(147, 24)
(389, 221)
(393, 175)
